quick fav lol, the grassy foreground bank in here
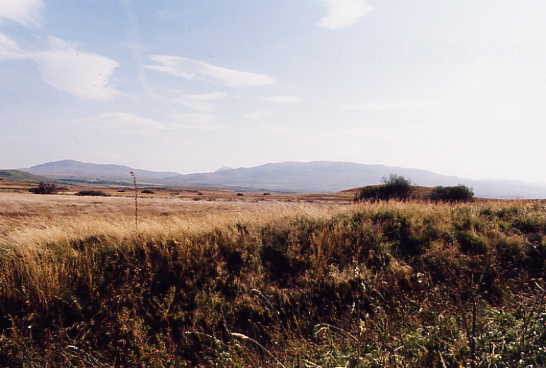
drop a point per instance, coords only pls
(376, 285)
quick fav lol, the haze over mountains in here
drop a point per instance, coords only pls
(71, 169)
(302, 177)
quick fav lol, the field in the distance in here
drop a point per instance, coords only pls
(222, 280)
(27, 218)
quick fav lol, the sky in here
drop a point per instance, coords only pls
(455, 87)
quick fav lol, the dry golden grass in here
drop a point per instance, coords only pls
(31, 222)
(75, 269)
(28, 220)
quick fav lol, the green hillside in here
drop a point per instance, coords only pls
(16, 175)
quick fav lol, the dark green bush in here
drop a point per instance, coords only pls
(459, 193)
(529, 225)
(147, 191)
(471, 243)
(44, 188)
(97, 193)
(394, 187)
(511, 250)
(508, 213)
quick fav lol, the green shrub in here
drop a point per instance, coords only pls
(394, 187)
(471, 243)
(97, 193)
(511, 250)
(528, 225)
(147, 191)
(44, 188)
(508, 213)
(459, 193)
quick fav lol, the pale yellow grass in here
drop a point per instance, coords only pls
(35, 229)
(33, 220)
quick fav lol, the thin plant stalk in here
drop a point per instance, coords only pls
(136, 199)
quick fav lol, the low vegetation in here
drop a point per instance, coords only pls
(459, 193)
(96, 193)
(394, 187)
(399, 188)
(398, 284)
(44, 188)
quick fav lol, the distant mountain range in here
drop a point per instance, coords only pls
(298, 177)
(70, 169)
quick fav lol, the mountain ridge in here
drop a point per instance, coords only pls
(288, 176)
(72, 169)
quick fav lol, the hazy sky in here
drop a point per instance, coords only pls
(456, 87)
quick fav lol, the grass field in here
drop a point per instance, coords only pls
(280, 282)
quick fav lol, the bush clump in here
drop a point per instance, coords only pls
(44, 188)
(147, 191)
(97, 193)
(471, 243)
(394, 187)
(459, 193)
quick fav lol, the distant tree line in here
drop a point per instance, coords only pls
(50, 188)
(396, 187)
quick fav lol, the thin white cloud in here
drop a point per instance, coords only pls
(257, 115)
(417, 105)
(25, 12)
(9, 48)
(195, 69)
(200, 102)
(201, 121)
(131, 123)
(282, 99)
(344, 13)
(82, 74)
(125, 121)
(63, 66)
